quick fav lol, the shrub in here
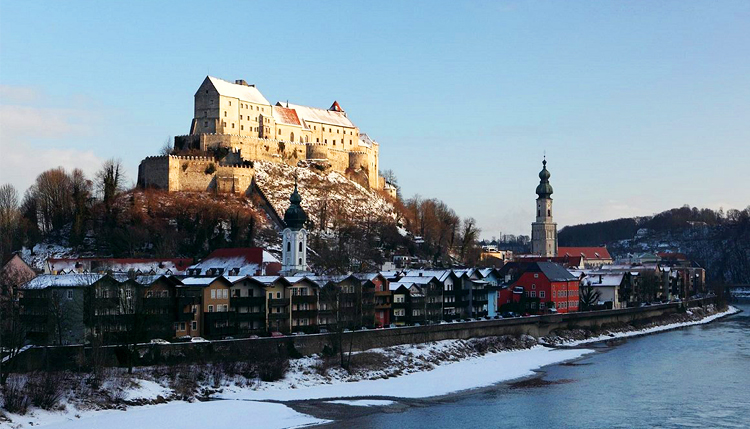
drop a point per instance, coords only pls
(211, 169)
(46, 389)
(273, 369)
(15, 395)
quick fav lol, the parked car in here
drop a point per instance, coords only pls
(298, 333)
(416, 324)
(323, 330)
(392, 325)
(253, 337)
(276, 334)
(198, 340)
(159, 341)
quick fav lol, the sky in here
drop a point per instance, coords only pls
(639, 106)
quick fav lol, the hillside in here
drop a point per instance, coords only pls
(326, 196)
(719, 242)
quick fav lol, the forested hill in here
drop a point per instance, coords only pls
(719, 241)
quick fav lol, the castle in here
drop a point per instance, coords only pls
(237, 125)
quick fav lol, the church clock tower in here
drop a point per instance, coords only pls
(544, 230)
(294, 250)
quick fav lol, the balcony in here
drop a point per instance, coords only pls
(382, 306)
(250, 316)
(297, 314)
(278, 302)
(278, 316)
(185, 317)
(304, 299)
(247, 301)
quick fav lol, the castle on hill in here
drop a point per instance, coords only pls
(237, 124)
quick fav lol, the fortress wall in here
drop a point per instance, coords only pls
(190, 174)
(153, 172)
(234, 179)
(339, 159)
(316, 151)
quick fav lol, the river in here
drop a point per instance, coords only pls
(691, 377)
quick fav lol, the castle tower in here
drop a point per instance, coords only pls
(544, 230)
(294, 250)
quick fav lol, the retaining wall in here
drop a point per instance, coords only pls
(74, 357)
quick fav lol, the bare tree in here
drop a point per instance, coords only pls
(110, 181)
(589, 297)
(168, 147)
(12, 332)
(9, 218)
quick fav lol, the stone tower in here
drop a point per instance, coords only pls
(544, 230)
(294, 250)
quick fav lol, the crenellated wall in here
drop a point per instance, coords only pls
(363, 160)
(193, 173)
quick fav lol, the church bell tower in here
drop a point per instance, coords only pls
(294, 250)
(544, 230)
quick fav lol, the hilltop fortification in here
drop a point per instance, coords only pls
(234, 125)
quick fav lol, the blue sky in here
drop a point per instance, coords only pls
(640, 106)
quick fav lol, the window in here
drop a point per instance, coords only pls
(278, 295)
(538, 213)
(194, 325)
(536, 275)
(300, 246)
(182, 326)
(300, 261)
(210, 308)
(242, 127)
(232, 124)
(541, 294)
(230, 102)
(213, 293)
(225, 113)
(70, 294)
(288, 246)
(241, 117)
(532, 294)
(533, 286)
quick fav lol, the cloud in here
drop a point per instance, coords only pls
(35, 137)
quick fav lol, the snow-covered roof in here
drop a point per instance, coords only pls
(198, 281)
(604, 280)
(441, 275)
(420, 280)
(44, 281)
(242, 92)
(147, 266)
(321, 116)
(365, 140)
(247, 261)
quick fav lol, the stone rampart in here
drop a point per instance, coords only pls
(193, 173)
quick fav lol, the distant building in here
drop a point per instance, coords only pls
(591, 257)
(552, 284)
(544, 230)
(294, 246)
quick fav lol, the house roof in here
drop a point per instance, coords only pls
(44, 281)
(441, 275)
(285, 116)
(553, 272)
(242, 92)
(420, 280)
(145, 265)
(321, 116)
(586, 252)
(604, 280)
(248, 260)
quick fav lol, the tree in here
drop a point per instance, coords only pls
(168, 147)
(469, 236)
(589, 296)
(110, 181)
(12, 332)
(9, 219)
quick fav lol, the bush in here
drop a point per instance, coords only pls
(211, 169)
(273, 369)
(46, 389)
(15, 396)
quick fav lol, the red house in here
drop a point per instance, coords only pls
(552, 284)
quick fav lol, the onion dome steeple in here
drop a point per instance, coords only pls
(544, 190)
(295, 217)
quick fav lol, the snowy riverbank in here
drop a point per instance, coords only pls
(409, 372)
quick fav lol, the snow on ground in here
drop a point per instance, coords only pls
(605, 337)
(147, 390)
(449, 378)
(183, 415)
(364, 402)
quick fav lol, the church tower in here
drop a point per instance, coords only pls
(544, 230)
(294, 250)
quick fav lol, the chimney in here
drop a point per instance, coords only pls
(241, 82)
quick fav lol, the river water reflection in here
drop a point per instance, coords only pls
(692, 377)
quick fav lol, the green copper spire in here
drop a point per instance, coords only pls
(295, 217)
(544, 190)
